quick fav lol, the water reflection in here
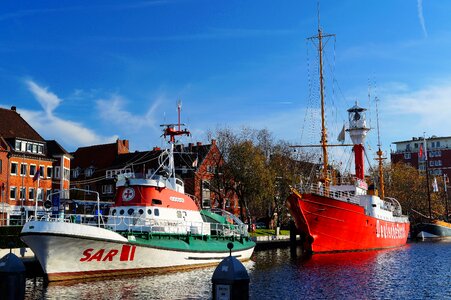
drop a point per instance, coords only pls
(417, 271)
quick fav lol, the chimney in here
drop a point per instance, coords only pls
(190, 146)
(122, 146)
(156, 149)
(199, 144)
(13, 108)
(213, 141)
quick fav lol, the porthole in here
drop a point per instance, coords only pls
(130, 211)
(141, 211)
(156, 212)
(149, 211)
(113, 212)
(121, 212)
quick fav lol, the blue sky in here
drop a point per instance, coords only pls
(88, 72)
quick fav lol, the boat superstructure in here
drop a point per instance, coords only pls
(153, 226)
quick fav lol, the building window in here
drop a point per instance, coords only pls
(32, 170)
(41, 171)
(57, 173)
(23, 169)
(407, 155)
(76, 173)
(13, 168)
(107, 189)
(18, 145)
(422, 168)
(12, 193)
(89, 171)
(415, 145)
(47, 193)
(227, 202)
(66, 174)
(31, 194)
(22, 193)
(1, 166)
(49, 172)
(40, 149)
(437, 144)
(29, 147)
(433, 144)
(40, 194)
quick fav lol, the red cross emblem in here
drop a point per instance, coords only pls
(128, 194)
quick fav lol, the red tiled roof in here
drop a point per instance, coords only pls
(12, 125)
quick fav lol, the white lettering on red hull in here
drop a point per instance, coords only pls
(389, 231)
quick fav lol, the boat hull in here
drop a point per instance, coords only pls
(65, 254)
(332, 225)
(433, 230)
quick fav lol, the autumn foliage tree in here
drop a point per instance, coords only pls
(408, 186)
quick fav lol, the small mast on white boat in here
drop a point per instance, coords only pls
(170, 131)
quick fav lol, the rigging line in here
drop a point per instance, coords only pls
(369, 162)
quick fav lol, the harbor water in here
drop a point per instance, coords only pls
(416, 271)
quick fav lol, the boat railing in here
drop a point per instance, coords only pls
(85, 219)
(322, 190)
(142, 224)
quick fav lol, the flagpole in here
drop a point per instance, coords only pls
(427, 174)
(36, 203)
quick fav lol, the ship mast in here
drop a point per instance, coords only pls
(379, 155)
(320, 38)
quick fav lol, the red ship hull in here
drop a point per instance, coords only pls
(332, 225)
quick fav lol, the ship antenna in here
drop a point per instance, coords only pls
(379, 154)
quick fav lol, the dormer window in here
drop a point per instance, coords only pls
(18, 145)
(76, 172)
(89, 171)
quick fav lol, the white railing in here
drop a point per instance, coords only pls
(145, 225)
(319, 189)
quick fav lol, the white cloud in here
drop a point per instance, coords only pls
(68, 133)
(114, 110)
(421, 17)
(48, 100)
(410, 113)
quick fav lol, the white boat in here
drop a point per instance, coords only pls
(152, 227)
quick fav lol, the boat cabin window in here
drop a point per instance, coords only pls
(113, 212)
(156, 202)
(141, 211)
(156, 212)
(130, 211)
(149, 211)
(121, 212)
(374, 205)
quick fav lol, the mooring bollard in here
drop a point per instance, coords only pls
(12, 277)
(230, 279)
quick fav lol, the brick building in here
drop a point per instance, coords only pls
(95, 169)
(438, 150)
(30, 167)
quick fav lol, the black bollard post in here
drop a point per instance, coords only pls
(12, 277)
(230, 279)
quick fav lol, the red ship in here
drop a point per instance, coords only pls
(347, 217)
